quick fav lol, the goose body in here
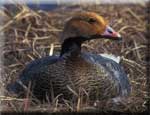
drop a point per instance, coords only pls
(74, 70)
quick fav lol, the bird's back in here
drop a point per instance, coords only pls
(93, 75)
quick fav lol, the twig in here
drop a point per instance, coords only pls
(27, 31)
(66, 102)
(79, 103)
(27, 101)
(33, 46)
(51, 50)
(134, 15)
(74, 92)
(133, 64)
(6, 98)
(137, 51)
(17, 17)
(30, 57)
(132, 49)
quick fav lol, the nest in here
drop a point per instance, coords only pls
(29, 35)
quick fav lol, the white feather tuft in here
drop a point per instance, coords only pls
(112, 57)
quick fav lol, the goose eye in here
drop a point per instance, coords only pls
(91, 20)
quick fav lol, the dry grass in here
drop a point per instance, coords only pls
(30, 35)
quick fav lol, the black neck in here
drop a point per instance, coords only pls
(71, 47)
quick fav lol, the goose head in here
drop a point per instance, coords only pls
(85, 26)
